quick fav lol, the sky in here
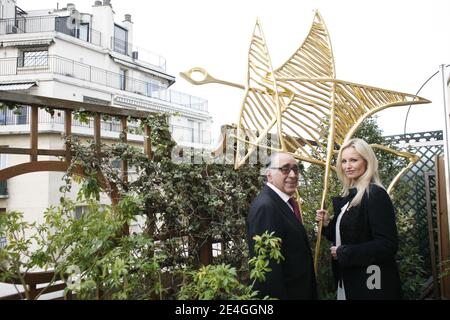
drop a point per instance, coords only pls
(394, 45)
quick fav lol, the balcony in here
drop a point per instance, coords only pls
(22, 117)
(137, 53)
(190, 135)
(70, 68)
(83, 31)
(65, 25)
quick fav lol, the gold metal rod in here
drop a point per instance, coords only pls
(187, 75)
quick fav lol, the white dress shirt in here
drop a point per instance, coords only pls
(285, 197)
(340, 290)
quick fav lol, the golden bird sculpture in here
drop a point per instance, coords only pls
(310, 112)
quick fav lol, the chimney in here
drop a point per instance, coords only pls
(70, 6)
(128, 24)
(103, 21)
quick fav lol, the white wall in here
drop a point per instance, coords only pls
(8, 9)
(103, 21)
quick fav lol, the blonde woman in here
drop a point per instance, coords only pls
(363, 229)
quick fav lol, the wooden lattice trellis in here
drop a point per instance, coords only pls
(420, 180)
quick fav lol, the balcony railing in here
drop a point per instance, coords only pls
(22, 117)
(77, 70)
(66, 25)
(186, 134)
(137, 53)
(82, 31)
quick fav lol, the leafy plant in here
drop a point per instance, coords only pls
(186, 208)
(222, 281)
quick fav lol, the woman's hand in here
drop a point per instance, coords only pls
(323, 215)
(333, 250)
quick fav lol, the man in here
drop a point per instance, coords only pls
(273, 210)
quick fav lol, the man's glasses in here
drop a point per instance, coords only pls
(287, 169)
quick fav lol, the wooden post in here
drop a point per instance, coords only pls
(34, 133)
(32, 291)
(148, 142)
(443, 234)
(124, 163)
(205, 251)
(97, 133)
(431, 235)
(68, 133)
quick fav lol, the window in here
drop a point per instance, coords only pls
(22, 115)
(116, 164)
(3, 161)
(83, 32)
(123, 79)
(194, 127)
(65, 25)
(3, 189)
(3, 184)
(69, 26)
(120, 40)
(33, 58)
(79, 211)
(3, 121)
(3, 241)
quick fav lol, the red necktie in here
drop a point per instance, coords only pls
(296, 208)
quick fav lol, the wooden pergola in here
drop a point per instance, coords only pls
(34, 165)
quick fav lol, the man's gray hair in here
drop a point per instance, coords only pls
(274, 157)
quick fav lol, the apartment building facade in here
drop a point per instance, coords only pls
(86, 57)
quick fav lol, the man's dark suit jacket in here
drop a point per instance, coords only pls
(293, 277)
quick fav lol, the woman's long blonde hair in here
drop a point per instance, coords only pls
(369, 176)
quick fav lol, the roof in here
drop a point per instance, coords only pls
(142, 68)
(16, 86)
(27, 43)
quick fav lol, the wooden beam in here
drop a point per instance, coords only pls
(34, 133)
(7, 150)
(40, 101)
(28, 151)
(30, 167)
(32, 279)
